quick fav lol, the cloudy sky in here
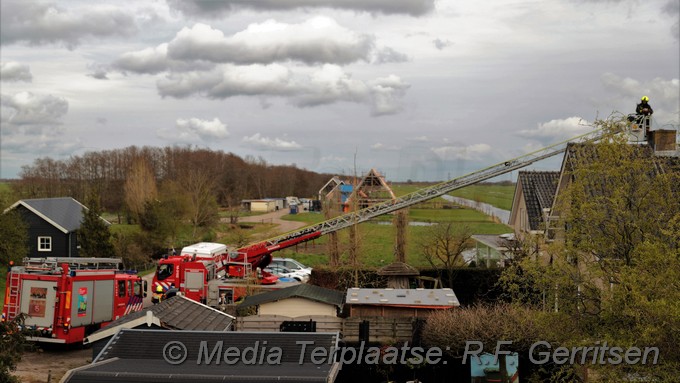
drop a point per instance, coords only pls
(419, 89)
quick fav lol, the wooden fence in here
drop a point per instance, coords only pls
(381, 329)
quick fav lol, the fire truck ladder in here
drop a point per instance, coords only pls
(13, 295)
(53, 264)
(431, 192)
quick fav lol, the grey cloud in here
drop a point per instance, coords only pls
(26, 108)
(44, 23)
(208, 8)
(317, 40)
(441, 44)
(156, 60)
(664, 95)
(389, 55)
(98, 71)
(229, 81)
(328, 85)
(13, 71)
(672, 8)
(32, 124)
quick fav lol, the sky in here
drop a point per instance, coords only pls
(421, 90)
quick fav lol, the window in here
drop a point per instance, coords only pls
(121, 289)
(44, 243)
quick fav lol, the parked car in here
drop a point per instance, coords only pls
(292, 265)
(284, 272)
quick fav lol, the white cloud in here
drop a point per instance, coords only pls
(149, 60)
(204, 128)
(470, 152)
(45, 23)
(557, 130)
(220, 8)
(379, 146)
(261, 142)
(387, 93)
(317, 40)
(13, 71)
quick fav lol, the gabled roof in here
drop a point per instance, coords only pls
(372, 188)
(199, 356)
(538, 189)
(330, 186)
(65, 213)
(311, 292)
(426, 298)
(176, 313)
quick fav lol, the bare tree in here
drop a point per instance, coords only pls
(443, 247)
(140, 186)
(401, 226)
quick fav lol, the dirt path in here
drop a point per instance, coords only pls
(53, 361)
(274, 218)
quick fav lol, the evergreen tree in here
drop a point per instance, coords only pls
(94, 235)
(14, 234)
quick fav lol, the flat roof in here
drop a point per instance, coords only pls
(402, 297)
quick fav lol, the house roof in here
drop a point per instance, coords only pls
(402, 297)
(539, 190)
(65, 213)
(304, 290)
(372, 188)
(494, 241)
(140, 356)
(176, 313)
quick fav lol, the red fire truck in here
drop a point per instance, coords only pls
(206, 272)
(66, 299)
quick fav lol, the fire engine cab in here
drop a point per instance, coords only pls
(66, 299)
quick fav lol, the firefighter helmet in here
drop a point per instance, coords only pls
(159, 289)
(644, 98)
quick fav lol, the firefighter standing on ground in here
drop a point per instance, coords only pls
(157, 296)
(644, 113)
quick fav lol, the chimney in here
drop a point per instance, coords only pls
(664, 142)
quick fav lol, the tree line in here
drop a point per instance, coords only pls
(104, 173)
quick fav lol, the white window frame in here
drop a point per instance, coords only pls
(46, 245)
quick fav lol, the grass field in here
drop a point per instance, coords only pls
(377, 240)
(496, 195)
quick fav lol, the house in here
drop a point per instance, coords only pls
(266, 205)
(53, 225)
(297, 308)
(533, 198)
(175, 313)
(299, 300)
(411, 303)
(149, 355)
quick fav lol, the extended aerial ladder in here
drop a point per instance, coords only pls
(261, 250)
